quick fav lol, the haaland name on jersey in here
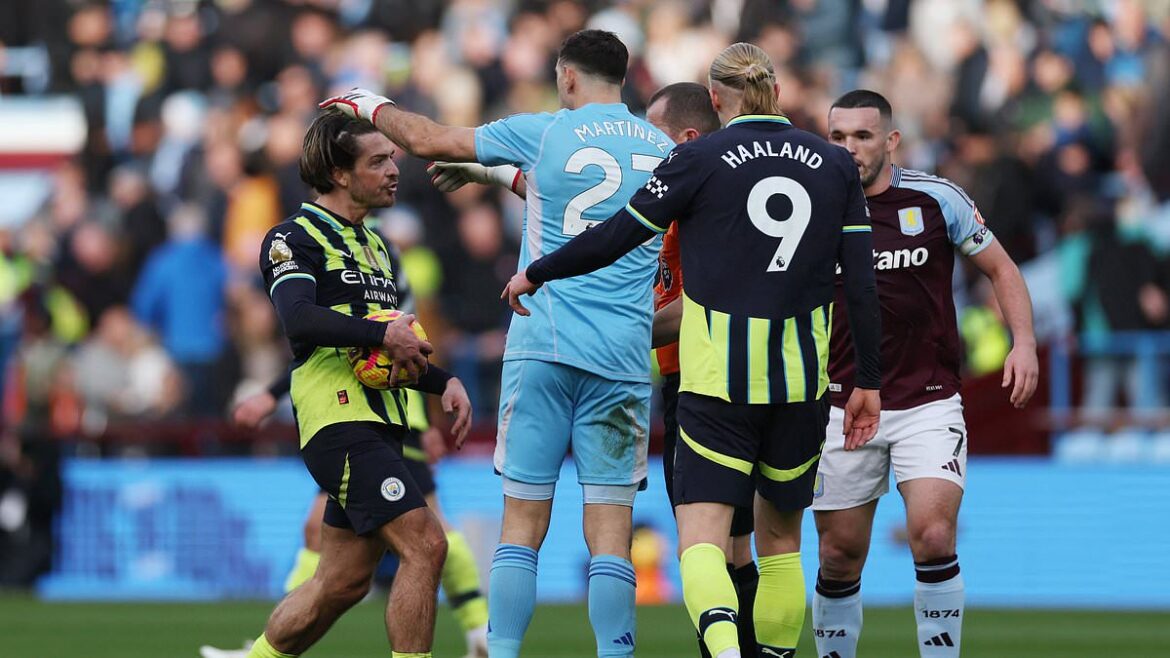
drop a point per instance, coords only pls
(623, 129)
(766, 149)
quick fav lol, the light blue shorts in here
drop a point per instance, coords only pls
(546, 408)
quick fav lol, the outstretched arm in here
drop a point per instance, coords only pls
(450, 176)
(413, 132)
(589, 251)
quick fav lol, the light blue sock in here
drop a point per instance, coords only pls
(611, 605)
(511, 599)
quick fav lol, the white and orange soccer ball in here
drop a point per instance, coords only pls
(371, 365)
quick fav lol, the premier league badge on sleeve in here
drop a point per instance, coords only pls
(279, 252)
(910, 221)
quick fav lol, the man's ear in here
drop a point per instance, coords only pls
(340, 178)
(715, 99)
(570, 76)
(690, 134)
(892, 140)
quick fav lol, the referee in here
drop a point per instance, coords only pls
(325, 270)
(765, 214)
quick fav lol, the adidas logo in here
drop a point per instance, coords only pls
(626, 640)
(940, 640)
(953, 466)
(832, 654)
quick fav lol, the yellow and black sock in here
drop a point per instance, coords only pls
(779, 605)
(460, 579)
(710, 596)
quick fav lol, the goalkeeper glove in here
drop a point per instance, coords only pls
(450, 176)
(357, 103)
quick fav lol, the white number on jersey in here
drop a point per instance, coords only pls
(790, 229)
(575, 224)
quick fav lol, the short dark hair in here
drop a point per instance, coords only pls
(865, 98)
(688, 105)
(330, 143)
(598, 53)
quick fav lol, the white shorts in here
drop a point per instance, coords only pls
(929, 441)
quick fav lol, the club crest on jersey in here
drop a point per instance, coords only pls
(393, 489)
(910, 221)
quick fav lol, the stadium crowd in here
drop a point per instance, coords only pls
(133, 293)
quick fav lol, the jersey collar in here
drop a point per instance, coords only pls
(324, 214)
(771, 118)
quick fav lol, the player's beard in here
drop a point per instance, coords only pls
(870, 174)
(376, 197)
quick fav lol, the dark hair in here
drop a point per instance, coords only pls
(330, 143)
(688, 105)
(865, 98)
(598, 53)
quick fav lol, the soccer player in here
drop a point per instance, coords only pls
(919, 221)
(577, 373)
(684, 112)
(325, 270)
(422, 445)
(765, 213)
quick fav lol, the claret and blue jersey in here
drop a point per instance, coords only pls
(581, 166)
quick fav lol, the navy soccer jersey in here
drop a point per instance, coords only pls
(352, 272)
(765, 212)
(918, 224)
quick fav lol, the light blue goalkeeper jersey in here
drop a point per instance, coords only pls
(581, 166)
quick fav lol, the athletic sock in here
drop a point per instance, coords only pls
(611, 605)
(837, 617)
(461, 584)
(780, 604)
(261, 649)
(303, 569)
(396, 654)
(511, 600)
(747, 580)
(938, 607)
(710, 598)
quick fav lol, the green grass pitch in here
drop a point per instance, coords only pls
(32, 629)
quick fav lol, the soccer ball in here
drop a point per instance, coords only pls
(371, 365)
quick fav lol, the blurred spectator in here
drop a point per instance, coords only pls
(1116, 284)
(181, 296)
(142, 227)
(122, 374)
(90, 269)
(1028, 105)
(984, 332)
(472, 282)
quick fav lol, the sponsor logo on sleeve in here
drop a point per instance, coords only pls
(286, 266)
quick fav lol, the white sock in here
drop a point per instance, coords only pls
(938, 607)
(476, 639)
(836, 625)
